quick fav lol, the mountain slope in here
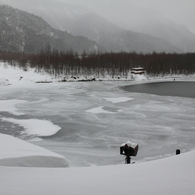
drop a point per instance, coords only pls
(57, 14)
(24, 32)
(116, 39)
(149, 21)
(175, 34)
(80, 21)
(165, 35)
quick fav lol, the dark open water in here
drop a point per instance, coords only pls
(172, 88)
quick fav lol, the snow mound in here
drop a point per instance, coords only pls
(4, 82)
(20, 153)
(139, 77)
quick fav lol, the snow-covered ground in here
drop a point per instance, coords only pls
(85, 123)
(173, 175)
(10, 75)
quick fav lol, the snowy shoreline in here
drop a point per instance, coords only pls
(15, 76)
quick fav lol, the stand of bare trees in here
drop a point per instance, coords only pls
(58, 63)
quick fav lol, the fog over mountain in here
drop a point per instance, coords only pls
(113, 23)
(120, 11)
(21, 31)
(116, 39)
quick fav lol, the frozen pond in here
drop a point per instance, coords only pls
(171, 88)
(95, 118)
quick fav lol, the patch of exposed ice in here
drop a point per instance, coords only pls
(99, 110)
(35, 126)
(119, 99)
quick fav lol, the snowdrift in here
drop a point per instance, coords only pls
(19, 153)
(4, 82)
(174, 175)
(139, 78)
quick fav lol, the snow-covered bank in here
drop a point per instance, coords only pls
(18, 153)
(174, 175)
(13, 75)
(10, 75)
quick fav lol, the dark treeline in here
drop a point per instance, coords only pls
(101, 64)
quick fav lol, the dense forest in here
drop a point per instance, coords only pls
(64, 64)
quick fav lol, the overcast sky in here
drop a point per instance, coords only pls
(180, 11)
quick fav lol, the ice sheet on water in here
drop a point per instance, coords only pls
(158, 124)
(99, 110)
(11, 106)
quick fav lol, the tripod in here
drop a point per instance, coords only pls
(127, 160)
